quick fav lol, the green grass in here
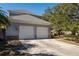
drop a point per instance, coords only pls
(69, 38)
(72, 38)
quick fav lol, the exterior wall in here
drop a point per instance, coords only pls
(15, 29)
(67, 32)
(49, 32)
(12, 30)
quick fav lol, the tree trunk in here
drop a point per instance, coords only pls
(4, 36)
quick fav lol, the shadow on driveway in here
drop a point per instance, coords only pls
(24, 46)
(43, 54)
(35, 39)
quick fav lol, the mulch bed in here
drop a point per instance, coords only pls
(10, 48)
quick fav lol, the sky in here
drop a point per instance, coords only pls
(36, 8)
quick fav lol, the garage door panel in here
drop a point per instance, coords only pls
(42, 32)
(26, 32)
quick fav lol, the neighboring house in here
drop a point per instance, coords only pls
(26, 26)
(67, 32)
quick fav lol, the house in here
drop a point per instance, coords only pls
(26, 26)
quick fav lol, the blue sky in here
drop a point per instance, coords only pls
(36, 8)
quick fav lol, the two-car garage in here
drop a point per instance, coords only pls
(27, 26)
(33, 32)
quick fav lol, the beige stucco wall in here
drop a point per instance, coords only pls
(12, 30)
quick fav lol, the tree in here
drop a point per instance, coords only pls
(4, 22)
(63, 16)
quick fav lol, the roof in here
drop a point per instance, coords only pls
(29, 19)
(11, 12)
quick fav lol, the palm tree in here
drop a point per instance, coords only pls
(4, 22)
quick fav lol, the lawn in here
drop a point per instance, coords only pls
(69, 39)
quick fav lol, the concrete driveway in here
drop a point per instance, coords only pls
(50, 47)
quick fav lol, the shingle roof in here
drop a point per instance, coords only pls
(11, 12)
(29, 19)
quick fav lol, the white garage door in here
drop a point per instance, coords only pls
(42, 32)
(26, 32)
